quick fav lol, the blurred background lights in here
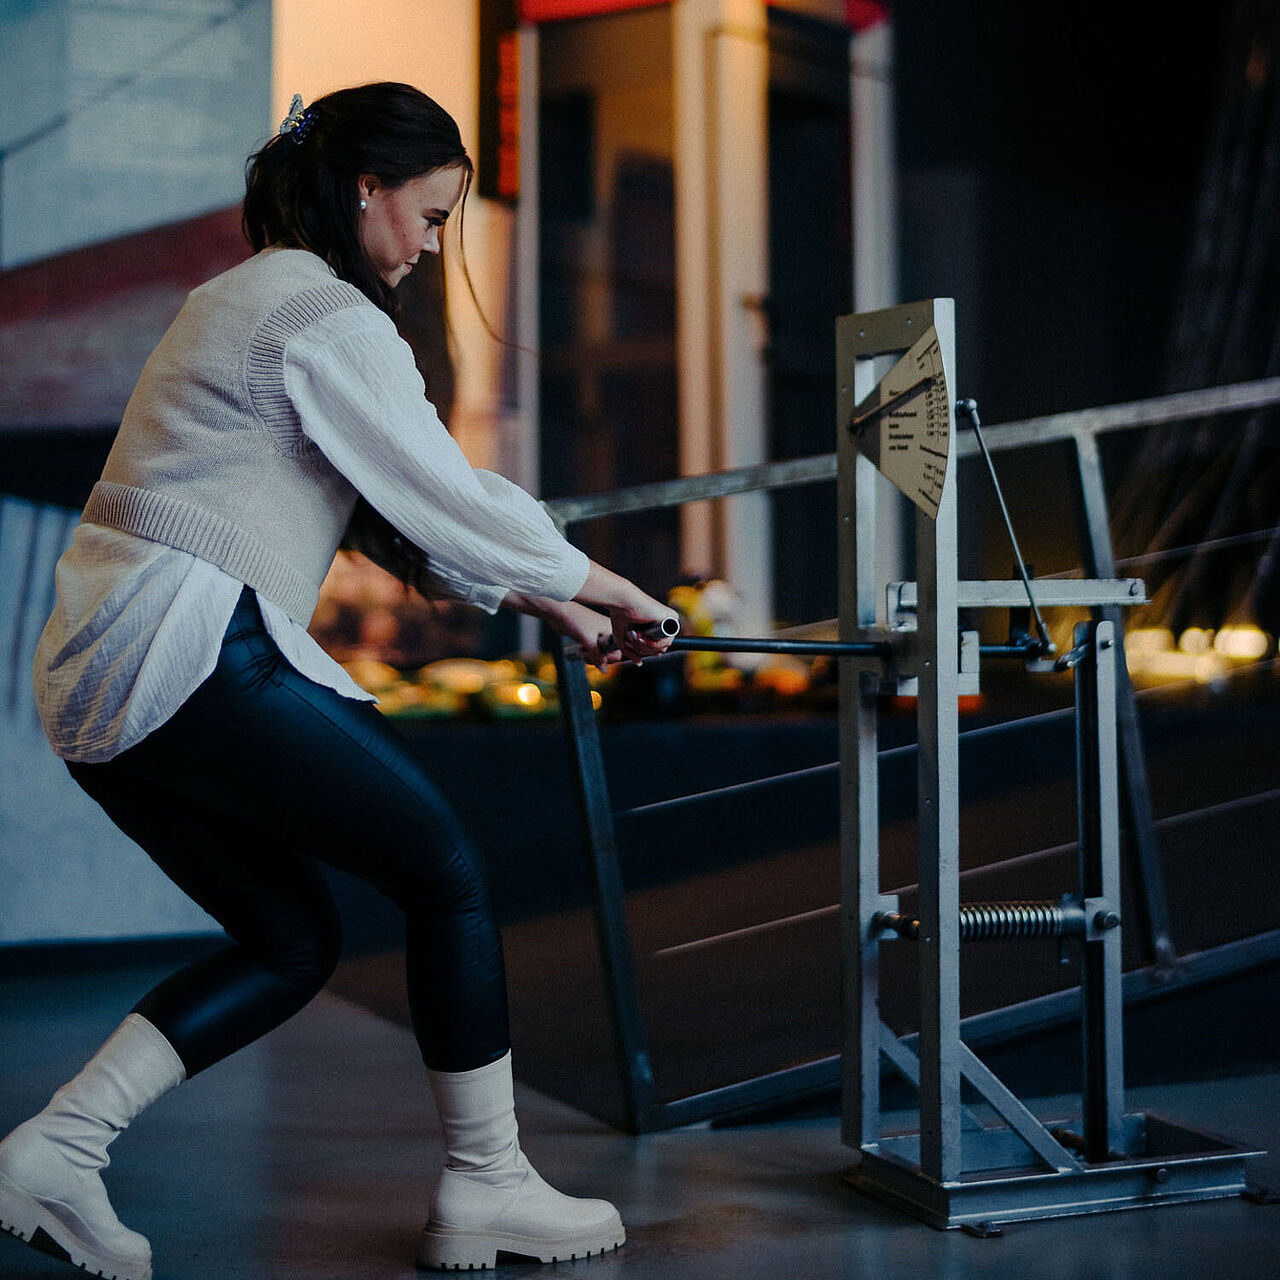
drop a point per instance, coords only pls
(1196, 640)
(1246, 642)
(529, 695)
(1142, 641)
(1200, 654)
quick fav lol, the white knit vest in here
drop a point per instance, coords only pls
(211, 457)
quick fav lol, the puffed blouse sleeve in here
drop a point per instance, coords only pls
(361, 399)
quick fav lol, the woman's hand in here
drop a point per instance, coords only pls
(630, 610)
(607, 620)
(587, 628)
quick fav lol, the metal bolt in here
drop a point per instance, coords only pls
(1106, 920)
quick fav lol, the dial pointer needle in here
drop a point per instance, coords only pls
(866, 411)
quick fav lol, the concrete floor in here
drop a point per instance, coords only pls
(310, 1156)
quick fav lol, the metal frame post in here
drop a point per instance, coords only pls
(1100, 562)
(934, 663)
(937, 662)
(859, 775)
(1099, 886)
(612, 934)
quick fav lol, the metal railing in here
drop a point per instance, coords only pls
(643, 1109)
(1077, 424)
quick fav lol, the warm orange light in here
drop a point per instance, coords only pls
(1245, 643)
(1196, 640)
(1201, 654)
(1145, 640)
(529, 695)
(460, 675)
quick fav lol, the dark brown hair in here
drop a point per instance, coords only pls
(300, 188)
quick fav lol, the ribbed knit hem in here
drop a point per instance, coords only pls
(265, 360)
(158, 518)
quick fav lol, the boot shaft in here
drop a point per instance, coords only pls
(134, 1067)
(478, 1115)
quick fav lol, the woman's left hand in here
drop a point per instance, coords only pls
(591, 631)
(588, 629)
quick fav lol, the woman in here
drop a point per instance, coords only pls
(280, 413)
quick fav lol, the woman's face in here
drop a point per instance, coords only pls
(399, 223)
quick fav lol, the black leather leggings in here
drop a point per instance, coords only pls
(260, 774)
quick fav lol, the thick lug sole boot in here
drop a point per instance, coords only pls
(51, 1191)
(490, 1200)
(60, 1231)
(445, 1248)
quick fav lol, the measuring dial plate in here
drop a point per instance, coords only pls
(904, 425)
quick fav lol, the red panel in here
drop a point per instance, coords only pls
(555, 10)
(75, 329)
(861, 14)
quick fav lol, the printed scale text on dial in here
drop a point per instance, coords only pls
(904, 425)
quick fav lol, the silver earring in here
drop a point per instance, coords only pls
(364, 204)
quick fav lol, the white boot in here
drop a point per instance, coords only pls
(489, 1197)
(51, 1194)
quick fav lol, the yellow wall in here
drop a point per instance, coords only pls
(320, 45)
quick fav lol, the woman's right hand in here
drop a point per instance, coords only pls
(630, 612)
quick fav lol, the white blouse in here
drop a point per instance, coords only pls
(138, 626)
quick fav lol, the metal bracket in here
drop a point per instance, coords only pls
(1000, 593)
(1100, 917)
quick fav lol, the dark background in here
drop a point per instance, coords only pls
(1050, 158)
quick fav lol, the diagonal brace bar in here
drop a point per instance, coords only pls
(904, 1060)
(1014, 1113)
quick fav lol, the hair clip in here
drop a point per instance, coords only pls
(298, 121)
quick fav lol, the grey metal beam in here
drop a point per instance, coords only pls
(1139, 986)
(859, 765)
(674, 493)
(1015, 1113)
(1009, 593)
(1158, 411)
(1155, 412)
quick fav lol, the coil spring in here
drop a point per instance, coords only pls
(983, 921)
(986, 921)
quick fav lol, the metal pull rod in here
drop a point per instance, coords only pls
(970, 410)
(654, 631)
